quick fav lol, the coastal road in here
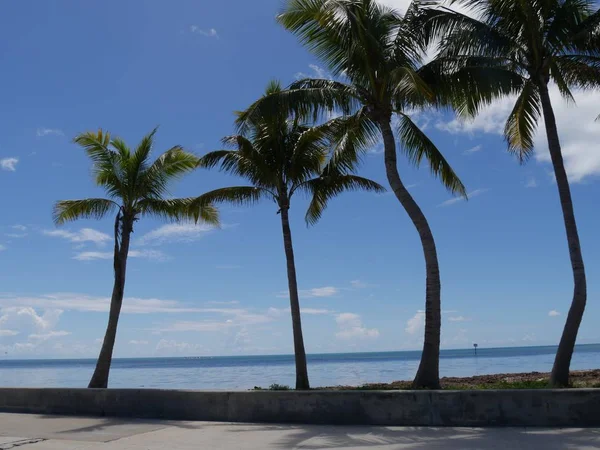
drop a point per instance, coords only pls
(35, 432)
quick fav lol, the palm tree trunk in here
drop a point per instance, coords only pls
(562, 362)
(299, 352)
(428, 374)
(100, 376)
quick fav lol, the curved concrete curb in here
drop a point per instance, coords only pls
(572, 407)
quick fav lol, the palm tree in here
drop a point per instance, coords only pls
(378, 57)
(525, 46)
(280, 154)
(136, 188)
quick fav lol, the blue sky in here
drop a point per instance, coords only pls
(72, 66)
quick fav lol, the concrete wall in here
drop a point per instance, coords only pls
(573, 407)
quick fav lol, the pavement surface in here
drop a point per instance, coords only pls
(34, 432)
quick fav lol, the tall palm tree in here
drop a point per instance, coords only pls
(525, 46)
(136, 188)
(281, 155)
(378, 57)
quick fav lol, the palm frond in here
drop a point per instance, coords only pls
(180, 209)
(306, 99)
(415, 143)
(579, 71)
(324, 188)
(108, 166)
(522, 122)
(139, 159)
(91, 208)
(236, 195)
(350, 137)
(171, 165)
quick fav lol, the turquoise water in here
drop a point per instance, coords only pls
(245, 372)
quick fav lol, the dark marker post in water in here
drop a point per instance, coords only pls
(475, 346)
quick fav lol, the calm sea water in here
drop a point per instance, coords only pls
(245, 372)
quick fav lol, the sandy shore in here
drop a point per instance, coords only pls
(579, 379)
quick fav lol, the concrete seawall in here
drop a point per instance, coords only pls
(572, 407)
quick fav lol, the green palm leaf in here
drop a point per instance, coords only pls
(417, 146)
(91, 208)
(324, 188)
(522, 122)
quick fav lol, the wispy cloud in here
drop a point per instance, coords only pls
(358, 284)
(471, 195)
(458, 319)
(305, 311)
(86, 303)
(553, 313)
(152, 255)
(20, 232)
(9, 164)
(82, 236)
(531, 183)
(472, 150)
(317, 72)
(2, 248)
(350, 326)
(136, 342)
(327, 291)
(49, 335)
(415, 323)
(49, 131)
(7, 333)
(210, 32)
(176, 232)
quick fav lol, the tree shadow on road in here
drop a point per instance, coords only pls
(332, 437)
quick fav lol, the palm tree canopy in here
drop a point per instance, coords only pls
(133, 183)
(521, 46)
(377, 56)
(281, 154)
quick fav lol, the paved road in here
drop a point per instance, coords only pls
(32, 432)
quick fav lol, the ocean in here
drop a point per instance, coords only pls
(246, 372)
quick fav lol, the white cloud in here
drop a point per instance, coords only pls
(458, 319)
(9, 164)
(4, 333)
(317, 72)
(531, 183)
(49, 131)
(87, 303)
(553, 313)
(152, 255)
(472, 150)
(358, 284)
(233, 302)
(26, 317)
(136, 342)
(350, 326)
(19, 227)
(579, 132)
(211, 32)
(49, 335)
(82, 236)
(415, 323)
(176, 232)
(327, 291)
(471, 195)
(172, 346)
(304, 311)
